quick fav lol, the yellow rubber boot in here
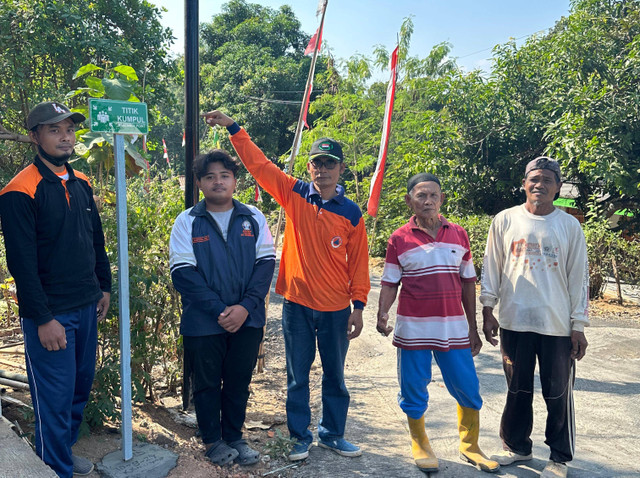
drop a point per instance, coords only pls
(420, 448)
(469, 428)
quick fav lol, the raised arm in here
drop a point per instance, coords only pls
(269, 176)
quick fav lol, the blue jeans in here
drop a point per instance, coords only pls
(60, 384)
(301, 327)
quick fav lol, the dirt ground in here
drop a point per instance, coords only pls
(154, 422)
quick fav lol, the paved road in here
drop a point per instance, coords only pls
(607, 395)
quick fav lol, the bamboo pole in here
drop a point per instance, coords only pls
(617, 278)
(292, 158)
(12, 364)
(15, 344)
(373, 229)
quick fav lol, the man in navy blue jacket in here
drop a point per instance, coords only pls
(222, 261)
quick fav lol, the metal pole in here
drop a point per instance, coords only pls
(14, 384)
(123, 296)
(18, 377)
(192, 98)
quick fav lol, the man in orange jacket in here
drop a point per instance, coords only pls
(323, 270)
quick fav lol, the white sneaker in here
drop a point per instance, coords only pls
(554, 470)
(507, 457)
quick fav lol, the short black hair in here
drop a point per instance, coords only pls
(202, 162)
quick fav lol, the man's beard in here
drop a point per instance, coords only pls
(55, 160)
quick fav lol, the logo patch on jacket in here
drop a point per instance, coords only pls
(246, 229)
(336, 242)
(196, 240)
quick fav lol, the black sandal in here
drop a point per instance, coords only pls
(221, 454)
(246, 454)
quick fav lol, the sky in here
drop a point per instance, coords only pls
(472, 27)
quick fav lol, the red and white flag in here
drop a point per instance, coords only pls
(316, 38)
(184, 138)
(257, 197)
(378, 175)
(165, 155)
(311, 47)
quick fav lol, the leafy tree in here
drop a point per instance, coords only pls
(252, 65)
(573, 94)
(352, 117)
(596, 133)
(154, 303)
(44, 43)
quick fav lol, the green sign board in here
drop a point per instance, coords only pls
(124, 117)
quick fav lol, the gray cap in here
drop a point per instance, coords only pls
(51, 112)
(543, 162)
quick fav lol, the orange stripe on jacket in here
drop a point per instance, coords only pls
(26, 181)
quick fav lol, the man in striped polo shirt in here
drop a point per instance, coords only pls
(436, 317)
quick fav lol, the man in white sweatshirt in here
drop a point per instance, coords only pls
(535, 268)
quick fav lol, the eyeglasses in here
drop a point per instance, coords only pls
(329, 163)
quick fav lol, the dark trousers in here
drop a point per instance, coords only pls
(60, 384)
(221, 367)
(557, 375)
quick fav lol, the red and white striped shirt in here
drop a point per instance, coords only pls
(430, 313)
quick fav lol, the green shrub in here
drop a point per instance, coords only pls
(154, 304)
(605, 246)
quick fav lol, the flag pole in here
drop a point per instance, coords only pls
(294, 151)
(373, 229)
(300, 125)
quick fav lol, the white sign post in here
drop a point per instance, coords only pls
(106, 116)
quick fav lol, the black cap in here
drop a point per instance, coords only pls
(543, 162)
(326, 147)
(421, 178)
(51, 112)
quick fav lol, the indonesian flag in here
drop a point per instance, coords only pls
(311, 47)
(184, 138)
(165, 155)
(378, 175)
(257, 197)
(317, 37)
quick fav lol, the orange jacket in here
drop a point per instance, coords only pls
(325, 262)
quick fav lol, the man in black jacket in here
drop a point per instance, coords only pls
(55, 252)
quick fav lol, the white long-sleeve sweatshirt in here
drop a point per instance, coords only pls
(536, 268)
